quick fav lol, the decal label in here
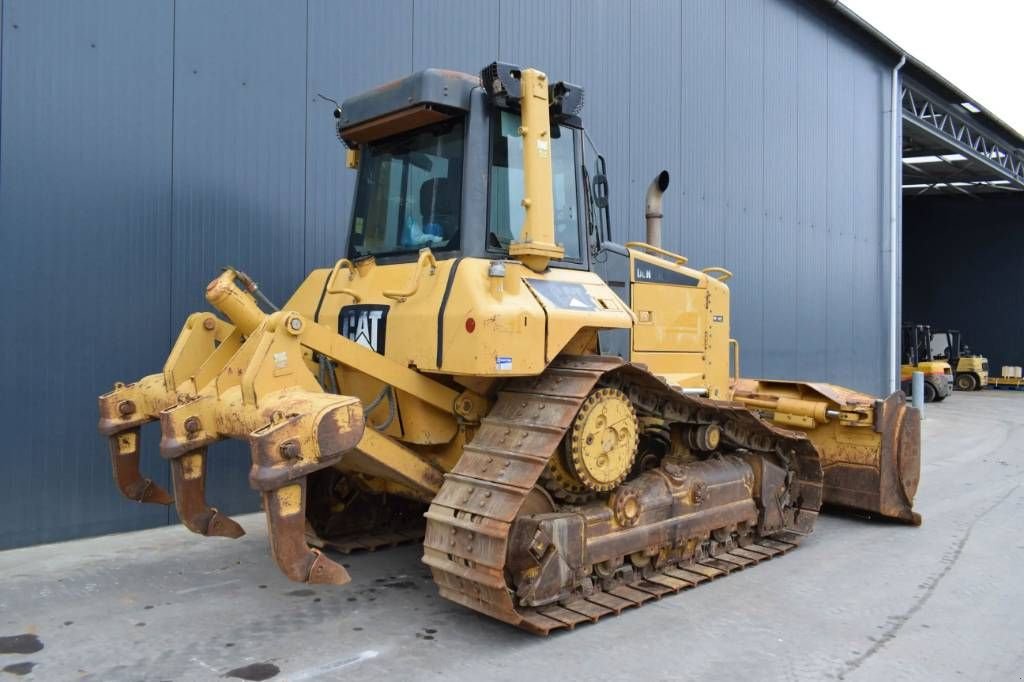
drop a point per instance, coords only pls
(365, 324)
(649, 272)
(503, 363)
(567, 295)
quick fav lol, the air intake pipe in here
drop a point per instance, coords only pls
(652, 211)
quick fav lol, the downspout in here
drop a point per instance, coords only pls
(896, 171)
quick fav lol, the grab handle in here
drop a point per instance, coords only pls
(426, 258)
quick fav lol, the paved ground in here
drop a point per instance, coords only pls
(859, 600)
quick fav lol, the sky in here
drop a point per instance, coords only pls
(975, 44)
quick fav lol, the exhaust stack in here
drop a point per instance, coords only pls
(652, 210)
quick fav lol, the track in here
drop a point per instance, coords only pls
(469, 522)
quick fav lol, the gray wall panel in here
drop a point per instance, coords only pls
(744, 155)
(604, 74)
(338, 67)
(811, 97)
(781, 134)
(655, 109)
(839, 207)
(439, 42)
(192, 136)
(84, 215)
(533, 33)
(701, 178)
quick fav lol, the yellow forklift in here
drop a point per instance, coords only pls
(917, 357)
(970, 370)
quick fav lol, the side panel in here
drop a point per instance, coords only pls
(682, 324)
(671, 318)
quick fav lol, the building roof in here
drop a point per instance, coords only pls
(952, 144)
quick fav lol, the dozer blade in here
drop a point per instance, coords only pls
(882, 479)
(870, 449)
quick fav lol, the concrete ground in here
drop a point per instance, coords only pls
(860, 600)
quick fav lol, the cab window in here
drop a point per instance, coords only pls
(409, 193)
(506, 186)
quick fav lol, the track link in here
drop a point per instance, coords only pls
(470, 519)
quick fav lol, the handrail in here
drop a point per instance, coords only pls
(426, 256)
(722, 275)
(657, 250)
(332, 287)
(735, 358)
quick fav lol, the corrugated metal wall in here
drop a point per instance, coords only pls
(963, 268)
(145, 144)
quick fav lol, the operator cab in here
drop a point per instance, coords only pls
(440, 164)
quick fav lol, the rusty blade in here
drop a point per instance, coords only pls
(188, 473)
(887, 485)
(124, 459)
(286, 525)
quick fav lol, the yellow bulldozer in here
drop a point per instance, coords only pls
(560, 417)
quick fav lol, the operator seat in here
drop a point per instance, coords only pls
(439, 208)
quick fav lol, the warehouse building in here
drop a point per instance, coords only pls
(145, 145)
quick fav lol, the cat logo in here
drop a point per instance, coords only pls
(364, 324)
(643, 274)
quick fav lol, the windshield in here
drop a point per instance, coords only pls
(409, 193)
(506, 192)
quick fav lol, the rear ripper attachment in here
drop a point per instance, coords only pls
(246, 381)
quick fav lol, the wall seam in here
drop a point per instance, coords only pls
(305, 160)
(170, 255)
(764, 193)
(3, 27)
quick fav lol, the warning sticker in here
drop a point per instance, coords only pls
(503, 363)
(564, 294)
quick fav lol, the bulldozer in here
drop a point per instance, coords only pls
(970, 369)
(560, 417)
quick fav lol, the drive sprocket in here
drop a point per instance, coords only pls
(603, 441)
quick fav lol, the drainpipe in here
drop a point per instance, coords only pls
(896, 172)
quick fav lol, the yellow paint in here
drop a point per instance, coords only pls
(682, 331)
(846, 437)
(352, 158)
(976, 365)
(192, 466)
(604, 440)
(451, 324)
(289, 499)
(126, 443)
(929, 368)
(536, 245)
